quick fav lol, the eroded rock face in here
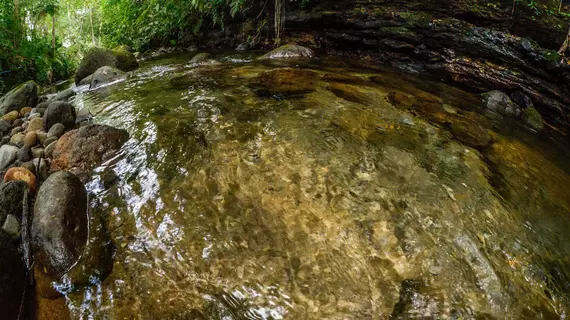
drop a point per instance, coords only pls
(289, 51)
(83, 149)
(286, 81)
(25, 95)
(105, 75)
(59, 226)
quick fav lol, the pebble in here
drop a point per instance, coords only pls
(18, 139)
(49, 149)
(57, 130)
(31, 139)
(49, 141)
(36, 124)
(11, 225)
(37, 152)
(21, 174)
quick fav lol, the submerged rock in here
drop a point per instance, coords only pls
(347, 92)
(289, 51)
(497, 101)
(82, 149)
(59, 112)
(532, 119)
(59, 226)
(201, 58)
(24, 95)
(105, 75)
(470, 132)
(287, 81)
(97, 58)
(65, 95)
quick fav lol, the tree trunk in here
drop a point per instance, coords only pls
(91, 19)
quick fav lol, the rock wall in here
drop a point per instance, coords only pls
(478, 45)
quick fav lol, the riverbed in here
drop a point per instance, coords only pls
(375, 195)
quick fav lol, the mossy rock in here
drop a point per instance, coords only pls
(24, 95)
(289, 51)
(532, 119)
(96, 58)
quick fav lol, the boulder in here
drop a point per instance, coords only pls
(201, 58)
(532, 119)
(86, 81)
(8, 155)
(21, 174)
(105, 75)
(65, 95)
(24, 95)
(83, 149)
(31, 139)
(498, 102)
(35, 125)
(60, 223)
(286, 81)
(289, 51)
(97, 58)
(11, 116)
(18, 139)
(59, 112)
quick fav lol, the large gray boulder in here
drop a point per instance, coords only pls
(59, 112)
(60, 223)
(289, 51)
(105, 75)
(96, 58)
(24, 95)
(498, 102)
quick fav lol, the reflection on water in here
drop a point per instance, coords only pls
(363, 199)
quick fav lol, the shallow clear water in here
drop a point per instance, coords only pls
(354, 201)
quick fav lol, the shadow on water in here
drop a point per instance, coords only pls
(367, 194)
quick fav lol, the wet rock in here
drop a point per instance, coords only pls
(109, 178)
(30, 139)
(11, 225)
(86, 81)
(82, 149)
(25, 110)
(21, 174)
(12, 280)
(4, 126)
(415, 299)
(59, 226)
(343, 78)
(498, 102)
(57, 130)
(83, 115)
(201, 58)
(97, 58)
(11, 198)
(49, 150)
(49, 141)
(65, 95)
(8, 155)
(105, 75)
(59, 112)
(347, 92)
(286, 81)
(289, 51)
(532, 119)
(24, 95)
(11, 116)
(18, 139)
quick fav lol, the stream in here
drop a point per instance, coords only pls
(362, 199)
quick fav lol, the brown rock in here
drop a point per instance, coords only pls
(35, 124)
(25, 111)
(11, 116)
(81, 150)
(31, 139)
(287, 81)
(21, 174)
